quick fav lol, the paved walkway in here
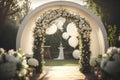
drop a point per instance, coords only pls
(63, 73)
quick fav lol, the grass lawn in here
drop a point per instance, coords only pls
(65, 62)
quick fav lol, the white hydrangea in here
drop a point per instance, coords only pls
(33, 62)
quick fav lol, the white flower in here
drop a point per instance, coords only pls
(11, 52)
(24, 64)
(2, 51)
(112, 50)
(93, 61)
(33, 62)
(104, 55)
(26, 78)
(23, 72)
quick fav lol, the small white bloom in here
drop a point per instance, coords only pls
(2, 51)
(23, 72)
(93, 61)
(11, 52)
(26, 78)
(24, 64)
(33, 62)
(104, 55)
(109, 50)
(112, 50)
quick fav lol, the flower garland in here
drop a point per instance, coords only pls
(84, 30)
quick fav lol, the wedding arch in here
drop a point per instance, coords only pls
(37, 21)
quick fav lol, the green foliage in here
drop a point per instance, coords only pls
(23, 11)
(96, 9)
(11, 15)
(112, 35)
(7, 8)
(8, 36)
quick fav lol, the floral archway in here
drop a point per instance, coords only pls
(82, 25)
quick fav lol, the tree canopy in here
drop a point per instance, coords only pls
(11, 15)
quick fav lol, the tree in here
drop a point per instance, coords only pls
(11, 15)
(111, 35)
(24, 10)
(109, 12)
(7, 8)
(12, 9)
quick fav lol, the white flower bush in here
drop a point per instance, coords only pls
(19, 59)
(111, 64)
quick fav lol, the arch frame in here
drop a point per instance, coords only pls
(99, 32)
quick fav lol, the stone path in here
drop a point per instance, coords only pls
(63, 73)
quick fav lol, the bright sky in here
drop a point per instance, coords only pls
(35, 3)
